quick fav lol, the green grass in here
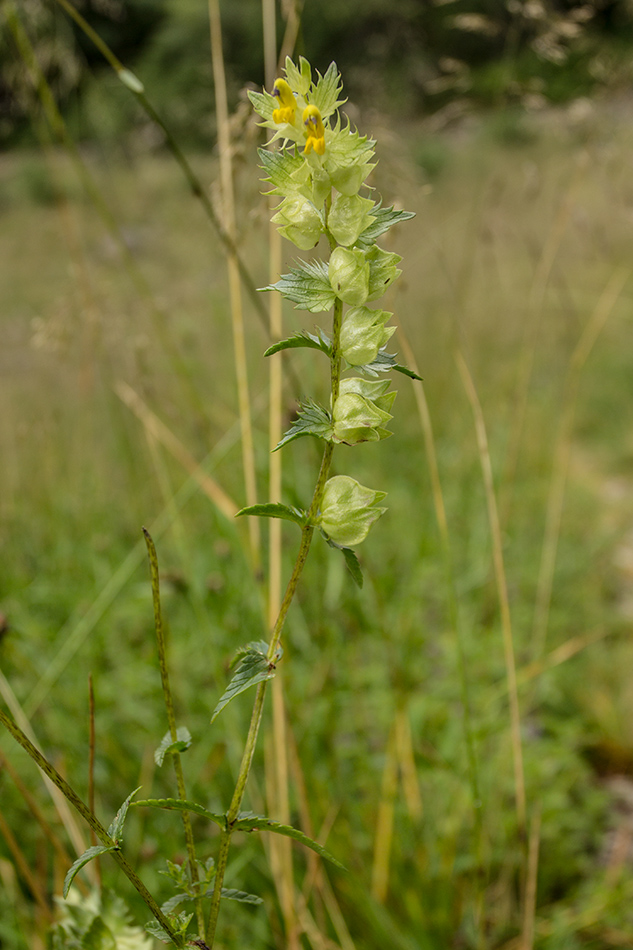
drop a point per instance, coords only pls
(79, 477)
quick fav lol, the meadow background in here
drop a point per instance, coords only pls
(118, 404)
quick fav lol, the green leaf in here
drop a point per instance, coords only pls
(180, 804)
(155, 930)
(326, 91)
(385, 219)
(353, 566)
(385, 362)
(301, 78)
(254, 667)
(167, 747)
(170, 905)
(116, 828)
(308, 287)
(179, 923)
(275, 510)
(351, 561)
(246, 821)
(84, 859)
(313, 341)
(406, 372)
(280, 167)
(263, 103)
(231, 894)
(312, 419)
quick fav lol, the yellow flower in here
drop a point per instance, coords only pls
(287, 102)
(314, 130)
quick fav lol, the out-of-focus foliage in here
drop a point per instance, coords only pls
(414, 55)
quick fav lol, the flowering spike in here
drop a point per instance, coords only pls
(314, 130)
(287, 102)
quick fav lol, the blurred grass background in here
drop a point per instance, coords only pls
(521, 243)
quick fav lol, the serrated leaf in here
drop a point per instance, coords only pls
(301, 78)
(312, 419)
(170, 905)
(279, 168)
(84, 859)
(116, 827)
(231, 894)
(275, 510)
(326, 91)
(181, 804)
(254, 667)
(308, 287)
(257, 646)
(248, 822)
(155, 930)
(385, 362)
(263, 103)
(385, 218)
(167, 747)
(318, 341)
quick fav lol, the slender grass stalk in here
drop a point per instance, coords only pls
(277, 778)
(535, 310)
(77, 629)
(157, 428)
(406, 764)
(23, 867)
(237, 317)
(135, 86)
(61, 805)
(171, 719)
(40, 818)
(455, 621)
(562, 452)
(502, 592)
(60, 130)
(383, 838)
(69, 795)
(91, 768)
(529, 910)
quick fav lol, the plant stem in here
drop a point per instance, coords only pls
(171, 718)
(71, 796)
(258, 707)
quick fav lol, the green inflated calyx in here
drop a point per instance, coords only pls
(349, 274)
(363, 334)
(361, 411)
(348, 510)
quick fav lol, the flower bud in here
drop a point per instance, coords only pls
(299, 221)
(382, 271)
(348, 218)
(348, 510)
(361, 411)
(349, 275)
(363, 334)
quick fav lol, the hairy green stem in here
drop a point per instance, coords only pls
(171, 719)
(71, 796)
(258, 707)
